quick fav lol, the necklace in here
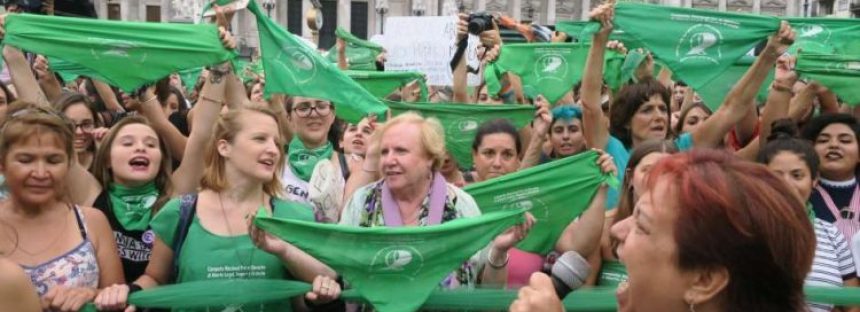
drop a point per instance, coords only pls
(230, 232)
(31, 254)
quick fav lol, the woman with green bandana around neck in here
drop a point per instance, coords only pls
(311, 120)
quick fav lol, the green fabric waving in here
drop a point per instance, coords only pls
(125, 54)
(826, 35)
(697, 45)
(556, 192)
(132, 205)
(839, 73)
(360, 54)
(461, 121)
(295, 69)
(715, 91)
(303, 160)
(381, 84)
(396, 269)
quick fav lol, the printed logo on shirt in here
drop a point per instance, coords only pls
(700, 44)
(132, 249)
(298, 63)
(404, 261)
(551, 66)
(296, 190)
(148, 237)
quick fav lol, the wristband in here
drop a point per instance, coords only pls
(497, 266)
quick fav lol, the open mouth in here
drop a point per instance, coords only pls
(139, 163)
(269, 163)
(833, 155)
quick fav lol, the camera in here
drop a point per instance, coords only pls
(480, 22)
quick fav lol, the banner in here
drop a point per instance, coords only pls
(839, 73)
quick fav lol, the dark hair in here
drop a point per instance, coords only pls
(627, 200)
(496, 126)
(783, 138)
(814, 127)
(680, 124)
(68, 99)
(9, 96)
(737, 216)
(288, 104)
(627, 102)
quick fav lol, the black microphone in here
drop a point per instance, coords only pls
(569, 273)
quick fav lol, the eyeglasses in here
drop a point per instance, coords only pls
(85, 126)
(304, 110)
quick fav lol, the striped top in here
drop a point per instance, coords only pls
(833, 262)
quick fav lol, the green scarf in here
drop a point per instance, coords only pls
(839, 73)
(296, 69)
(132, 206)
(826, 35)
(124, 54)
(716, 90)
(396, 269)
(556, 193)
(810, 212)
(303, 160)
(381, 84)
(697, 45)
(461, 121)
(360, 54)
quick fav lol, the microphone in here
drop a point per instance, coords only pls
(569, 273)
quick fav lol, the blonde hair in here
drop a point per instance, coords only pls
(432, 135)
(101, 162)
(226, 128)
(27, 120)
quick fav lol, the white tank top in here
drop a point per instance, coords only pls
(294, 188)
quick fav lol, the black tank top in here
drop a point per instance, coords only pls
(134, 247)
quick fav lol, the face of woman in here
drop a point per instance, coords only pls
(836, 146)
(496, 156)
(36, 168)
(135, 155)
(695, 117)
(485, 98)
(566, 137)
(651, 120)
(649, 252)
(355, 137)
(404, 160)
(311, 120)
(256, 148)
(257, 92)
(84, 125)
(794, 171)
(641, 171)
(171, 105)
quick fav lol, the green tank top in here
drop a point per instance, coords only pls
(612, 273)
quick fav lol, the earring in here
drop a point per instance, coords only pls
(692, 307)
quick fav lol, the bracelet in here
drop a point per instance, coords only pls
(151, 99)
(497, 266)
(133, 288)
(210, 100)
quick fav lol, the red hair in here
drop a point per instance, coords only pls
(737, 215)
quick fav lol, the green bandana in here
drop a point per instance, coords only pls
(584, 31)
(715, 91)
(697, 45)
(124, 54)
(303, 160)
(296, 69)
(826, 35)
(839, 73)
(133, 206)
(461, 121)
(395, 269)
(556, 192)
(381, 84)
(189, 78)
(810, 212)
(360, 54)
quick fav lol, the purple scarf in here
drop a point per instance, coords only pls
(438, 193)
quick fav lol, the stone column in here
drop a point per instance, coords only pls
(480, 5)
(756, 6)
(516, 9)
(549, 12)
(586, 9)
(344, 10)
(722, 6)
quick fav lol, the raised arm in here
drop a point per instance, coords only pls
(540, 129)
(583, 235)
(779, 97)
(461, 95)
(742, 96)
(150, 107)
(594, 130)
(22, 77)
(47, 81)
(108, 96)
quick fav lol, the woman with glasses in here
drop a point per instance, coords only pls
(310, 154)
(78, 109)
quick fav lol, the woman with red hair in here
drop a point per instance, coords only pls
(716, 233)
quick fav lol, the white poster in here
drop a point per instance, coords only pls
(426, 44)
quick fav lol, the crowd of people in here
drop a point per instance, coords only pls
(106, 193)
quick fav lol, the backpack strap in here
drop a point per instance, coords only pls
(187, 209)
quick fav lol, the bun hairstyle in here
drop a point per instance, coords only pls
(783, 138)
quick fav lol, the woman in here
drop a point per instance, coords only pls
(412, 192)
(68, 251)
(354, 145)
(311, 120)
(76, 107)
(796, 162)
(837, 197)
(496, 150)
(6, 97)
(640, 111)
(607, 271)
(692, 117)
(711, 230)
(241, 163)
(565, 132)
